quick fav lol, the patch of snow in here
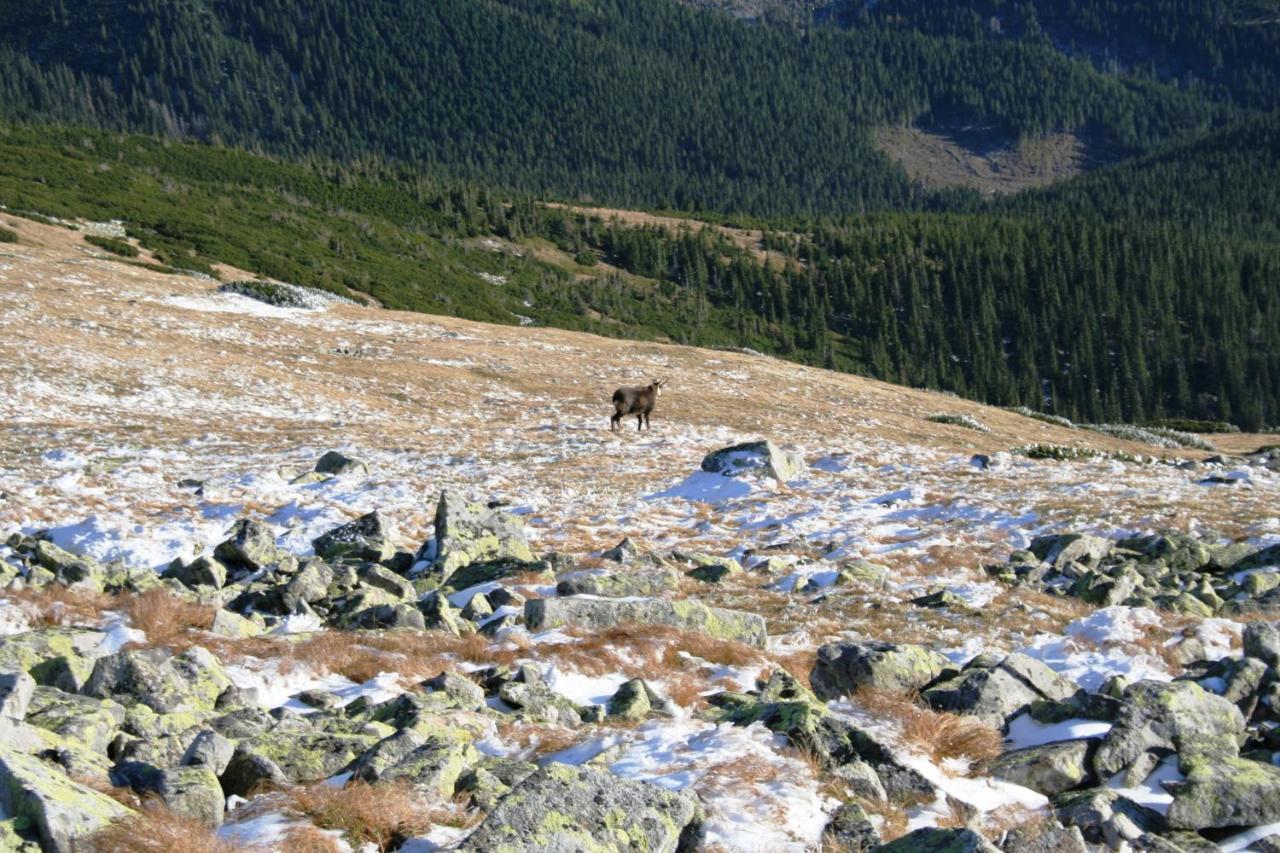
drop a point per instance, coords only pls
(1151, 792)
(1025, 731)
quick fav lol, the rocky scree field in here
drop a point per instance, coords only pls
(318, 576)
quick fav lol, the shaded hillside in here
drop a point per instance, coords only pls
(638, 103)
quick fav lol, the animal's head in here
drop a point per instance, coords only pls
(657, 386)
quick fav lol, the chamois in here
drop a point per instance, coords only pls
(635, 401)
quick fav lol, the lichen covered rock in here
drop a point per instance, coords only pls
(585, 809)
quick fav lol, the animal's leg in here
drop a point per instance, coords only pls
(647, 425)
(613, 422)
(639, 422)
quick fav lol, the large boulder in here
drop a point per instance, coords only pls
(251, 545)
(688, 614)
(1222, 789)
(60, 657)
(191, 681)
(1155, 714)
(202, 571)
(16, 690)
(562, 808)
(335, 462)
(851, 830)
(472, 532)
(1104, 816)
(81, 721)
(993, 694)
(842, 668)
(64, 813)
(619, 584)
(1262, 641)
(1049, 769)
(1070, 547)
(755, 458)
(366, 538)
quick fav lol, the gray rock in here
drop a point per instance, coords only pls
(644, 582)
(851, 830)
(1039, 677)
(935, 840)
(437, 612)
(842, 668)
(308, 586)
(386, 580)
(688, 614)
(202, 571)
(633, 700)
(228, 624)
(335, 462)
(1105, 817)
(1262, 641)
(193, 792)
(1222, 790)
(366, 538)
(65, 566)
(1159, 715)
(993, 694)
(469, 533)
(64, 813)
(1049, 769)
(59, 657)
(249, 772)
(624, 552)
(251, 545)
(191, 681)
(756, 457)
(1044, 837)
(538, 702)
(563, 808)
(209, 749)
(16, 689)
(462, 691)
(1071, 547)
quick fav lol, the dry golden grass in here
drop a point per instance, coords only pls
(384, 814)
(55, 604)
(304, 838)
(166, 618)
(535, 741)
(939, 735)
(154, 829)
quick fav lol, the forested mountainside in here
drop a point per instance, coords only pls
(1049, 303)
(1228, 49)
(638, 103)
(406, 151)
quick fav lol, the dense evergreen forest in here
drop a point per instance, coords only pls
(387, 148)
(630, 102)
(1227, 49)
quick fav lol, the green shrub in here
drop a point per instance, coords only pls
(1193, 426)
(958, 420)
(7, 236)
(112, 245)
(1056, 420)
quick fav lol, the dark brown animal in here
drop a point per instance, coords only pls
(635, 401)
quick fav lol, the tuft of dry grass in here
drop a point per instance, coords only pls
(384, 815)
(939, 735)
(166, 618)
(54, 604)
(305, 838)
(155, 829)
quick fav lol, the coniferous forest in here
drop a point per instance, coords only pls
(364, 146)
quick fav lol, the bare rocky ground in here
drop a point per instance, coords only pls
(884, 638)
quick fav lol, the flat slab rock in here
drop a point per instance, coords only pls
(561, 808)
(544, 613)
